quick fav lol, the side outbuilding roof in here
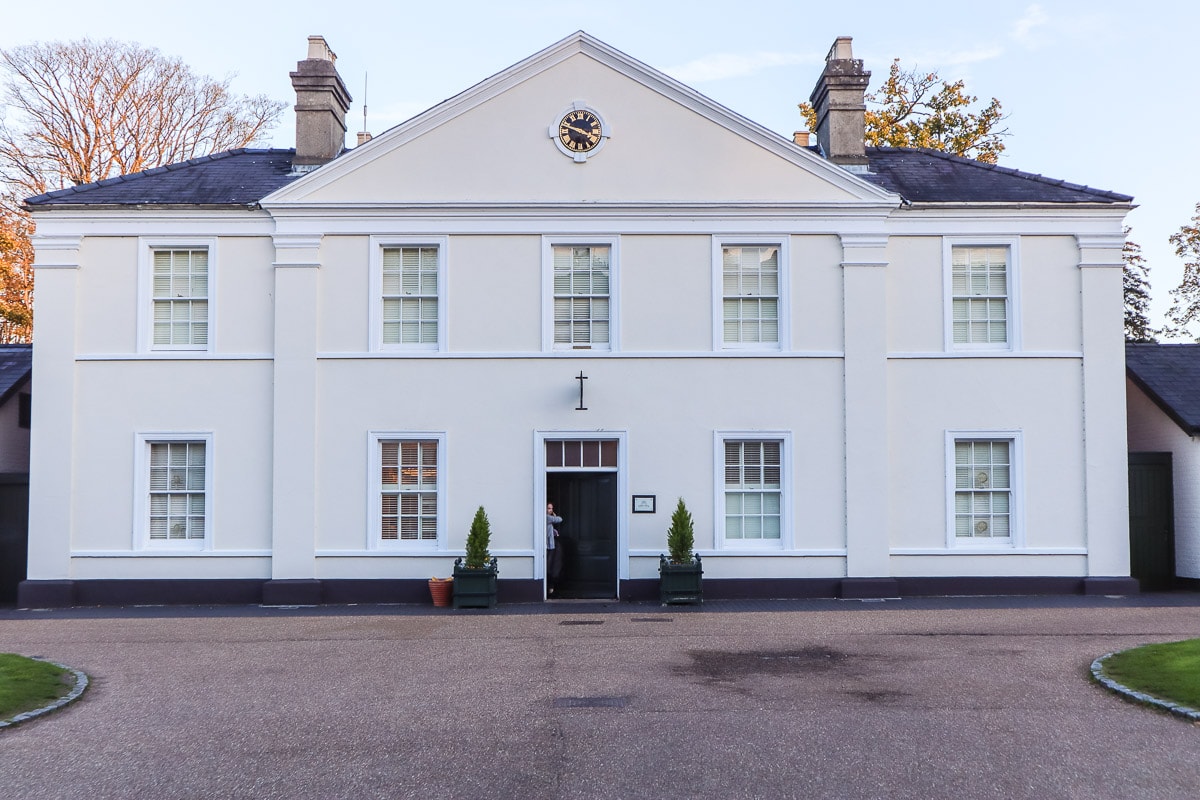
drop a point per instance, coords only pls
(1169, 374)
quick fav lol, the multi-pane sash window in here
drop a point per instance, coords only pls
(983, 489)
(180, 290)
(582, 279)
(178, 497)
(753, 490)
(410, 295)
(750, 295)
(409, 490)
(979, 285)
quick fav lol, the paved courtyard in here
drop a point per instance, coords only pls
(819, 699)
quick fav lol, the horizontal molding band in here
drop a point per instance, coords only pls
(989, 551)
(170, 554)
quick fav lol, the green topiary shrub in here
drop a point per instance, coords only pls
(680, 537)
(478, 540)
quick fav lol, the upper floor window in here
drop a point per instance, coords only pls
(582, 294)
(751, 309)
(981, 279)
(181, 299)
(407, 279)
(177, 289)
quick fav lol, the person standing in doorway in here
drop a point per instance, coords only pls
(553, 551)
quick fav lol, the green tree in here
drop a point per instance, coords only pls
(681, 536)
(1136, 280)
(82, 111)
(1185, 306)
(919, 109)
(478, 539)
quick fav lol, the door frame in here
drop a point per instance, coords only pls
(540, 438)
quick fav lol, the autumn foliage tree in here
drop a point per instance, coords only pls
(83, 111)
(919, 109)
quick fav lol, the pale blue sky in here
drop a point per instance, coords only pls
(1098, 92)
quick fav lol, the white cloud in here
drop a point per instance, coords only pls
(1024, 29)
(719, 66)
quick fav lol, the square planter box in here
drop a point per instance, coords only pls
(475, 588)
(680, 583)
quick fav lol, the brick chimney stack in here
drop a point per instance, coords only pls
(839, 99)
(321, 105)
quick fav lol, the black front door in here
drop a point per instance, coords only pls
(1151, 520)
(587, 502)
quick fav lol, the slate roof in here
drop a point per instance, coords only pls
(16, 364)
(239, 177)
(931, 176)
(245, 176)
(1169, 374)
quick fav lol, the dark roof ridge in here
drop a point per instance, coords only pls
(191, 162)
(1079, 187)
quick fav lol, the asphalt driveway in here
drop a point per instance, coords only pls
(836, 699)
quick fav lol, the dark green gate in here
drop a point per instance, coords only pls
(1151, 521)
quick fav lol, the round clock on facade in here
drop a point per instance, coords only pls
(579, 132)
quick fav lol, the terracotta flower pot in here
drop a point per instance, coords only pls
(442, 590)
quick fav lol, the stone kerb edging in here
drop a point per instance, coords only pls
(81, 683)
(1175, 708)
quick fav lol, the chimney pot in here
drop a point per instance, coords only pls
(363, 137)
(800, 138)
(839, 99)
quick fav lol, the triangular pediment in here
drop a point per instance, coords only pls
(495, 144)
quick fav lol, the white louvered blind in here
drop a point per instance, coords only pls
(753, 487)
(979, 285)
(410, 295)
(581, 295)
(180, 298)
(409, 498)
(750, 294)
(178, 500)
(982, 489)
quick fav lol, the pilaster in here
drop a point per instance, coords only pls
(294, 447)
(864, 277)
(1106, 466)
(56, 267)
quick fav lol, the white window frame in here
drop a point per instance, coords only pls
(1016, 527)
(719, 243)
(375, 540)
(785, 540)
(375, 307)
(146, 249)
(141, 504)
(1013, 306)
(614, 292)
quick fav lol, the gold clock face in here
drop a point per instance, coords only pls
(579, 131)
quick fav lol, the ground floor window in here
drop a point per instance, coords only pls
(408, 502)
(983, 479)
(751, 492)
(176, 504)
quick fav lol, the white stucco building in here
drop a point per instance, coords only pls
(292, 377)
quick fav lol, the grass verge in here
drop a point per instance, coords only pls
(26, 684)
(1168, 671)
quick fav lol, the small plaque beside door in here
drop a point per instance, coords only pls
(643, 503)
